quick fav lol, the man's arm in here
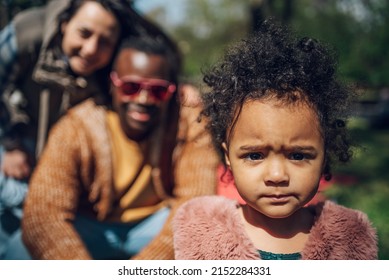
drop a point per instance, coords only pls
(53, 197)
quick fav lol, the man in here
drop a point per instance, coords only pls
(110, 178)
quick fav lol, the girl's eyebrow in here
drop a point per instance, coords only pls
(301, 148)
(252, 147)
(307, 148)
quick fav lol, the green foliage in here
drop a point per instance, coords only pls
(206, 34)
(357, 30)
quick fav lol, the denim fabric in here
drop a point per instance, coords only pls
(8, 49)
(117, 240)
(15, 249)
(105, 241)
(12, 194)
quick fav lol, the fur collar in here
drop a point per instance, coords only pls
(210, 228)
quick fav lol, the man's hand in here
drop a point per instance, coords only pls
(15, 164)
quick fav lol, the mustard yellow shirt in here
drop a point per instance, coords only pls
(133, 185)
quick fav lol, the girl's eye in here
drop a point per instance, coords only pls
(297, 156)
(254, 156)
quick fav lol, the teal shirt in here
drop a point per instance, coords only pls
(272, 256)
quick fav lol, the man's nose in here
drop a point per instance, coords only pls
(145, 96)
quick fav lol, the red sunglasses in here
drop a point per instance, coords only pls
(130, 86)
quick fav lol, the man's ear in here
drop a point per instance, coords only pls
(225, 150)
(63, 26)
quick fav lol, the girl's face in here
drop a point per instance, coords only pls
(276, 154)
(89, 38)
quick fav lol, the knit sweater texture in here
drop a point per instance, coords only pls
(210, 228)
(74, 175)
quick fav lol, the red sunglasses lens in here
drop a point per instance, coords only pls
(130, 88)
(159, 92)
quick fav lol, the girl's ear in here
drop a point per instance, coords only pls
(225, 150)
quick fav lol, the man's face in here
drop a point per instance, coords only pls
(139, 83)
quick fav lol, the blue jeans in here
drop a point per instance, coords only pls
(117, 240)
(105, 241)
(12, 194)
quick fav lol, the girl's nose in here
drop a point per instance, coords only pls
(276, 173)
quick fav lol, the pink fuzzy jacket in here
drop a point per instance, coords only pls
(210, 228)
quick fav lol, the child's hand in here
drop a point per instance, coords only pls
(16, 165)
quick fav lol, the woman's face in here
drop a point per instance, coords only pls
(276, 154)
(89, 38)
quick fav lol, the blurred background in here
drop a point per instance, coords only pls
(358, 30)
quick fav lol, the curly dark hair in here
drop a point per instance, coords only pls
(275, 62)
